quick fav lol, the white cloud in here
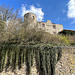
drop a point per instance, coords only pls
(38, 11)
(38, 5)
(58, 19)
(64, 11)
(71, 9)
(73, 21)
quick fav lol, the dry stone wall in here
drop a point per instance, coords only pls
(66, 65)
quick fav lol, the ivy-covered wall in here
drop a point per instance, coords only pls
(36, 60)
(46, 57)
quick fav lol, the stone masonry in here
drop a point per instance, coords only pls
(66, 65)
(52, 28)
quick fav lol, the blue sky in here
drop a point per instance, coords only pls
(58, 11)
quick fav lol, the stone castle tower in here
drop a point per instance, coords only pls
(30, 19)
(52, 28)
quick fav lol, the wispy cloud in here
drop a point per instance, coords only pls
(38, 5)
(73, 21)
(58, 19)
(71, 9)
(64, 11)
(38, 11)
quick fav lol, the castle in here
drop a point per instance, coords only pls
(52, 28)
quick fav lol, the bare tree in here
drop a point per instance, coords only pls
(7, 13)
(10, 23)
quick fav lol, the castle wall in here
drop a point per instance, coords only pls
(48, 26)
(59, 28)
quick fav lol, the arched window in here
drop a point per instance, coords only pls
(43, 25)
(33, 17)
(54, 26)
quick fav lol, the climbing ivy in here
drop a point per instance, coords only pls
(15, 56)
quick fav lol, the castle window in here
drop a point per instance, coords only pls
(54, 26)
(43, 25)
(33, 17)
